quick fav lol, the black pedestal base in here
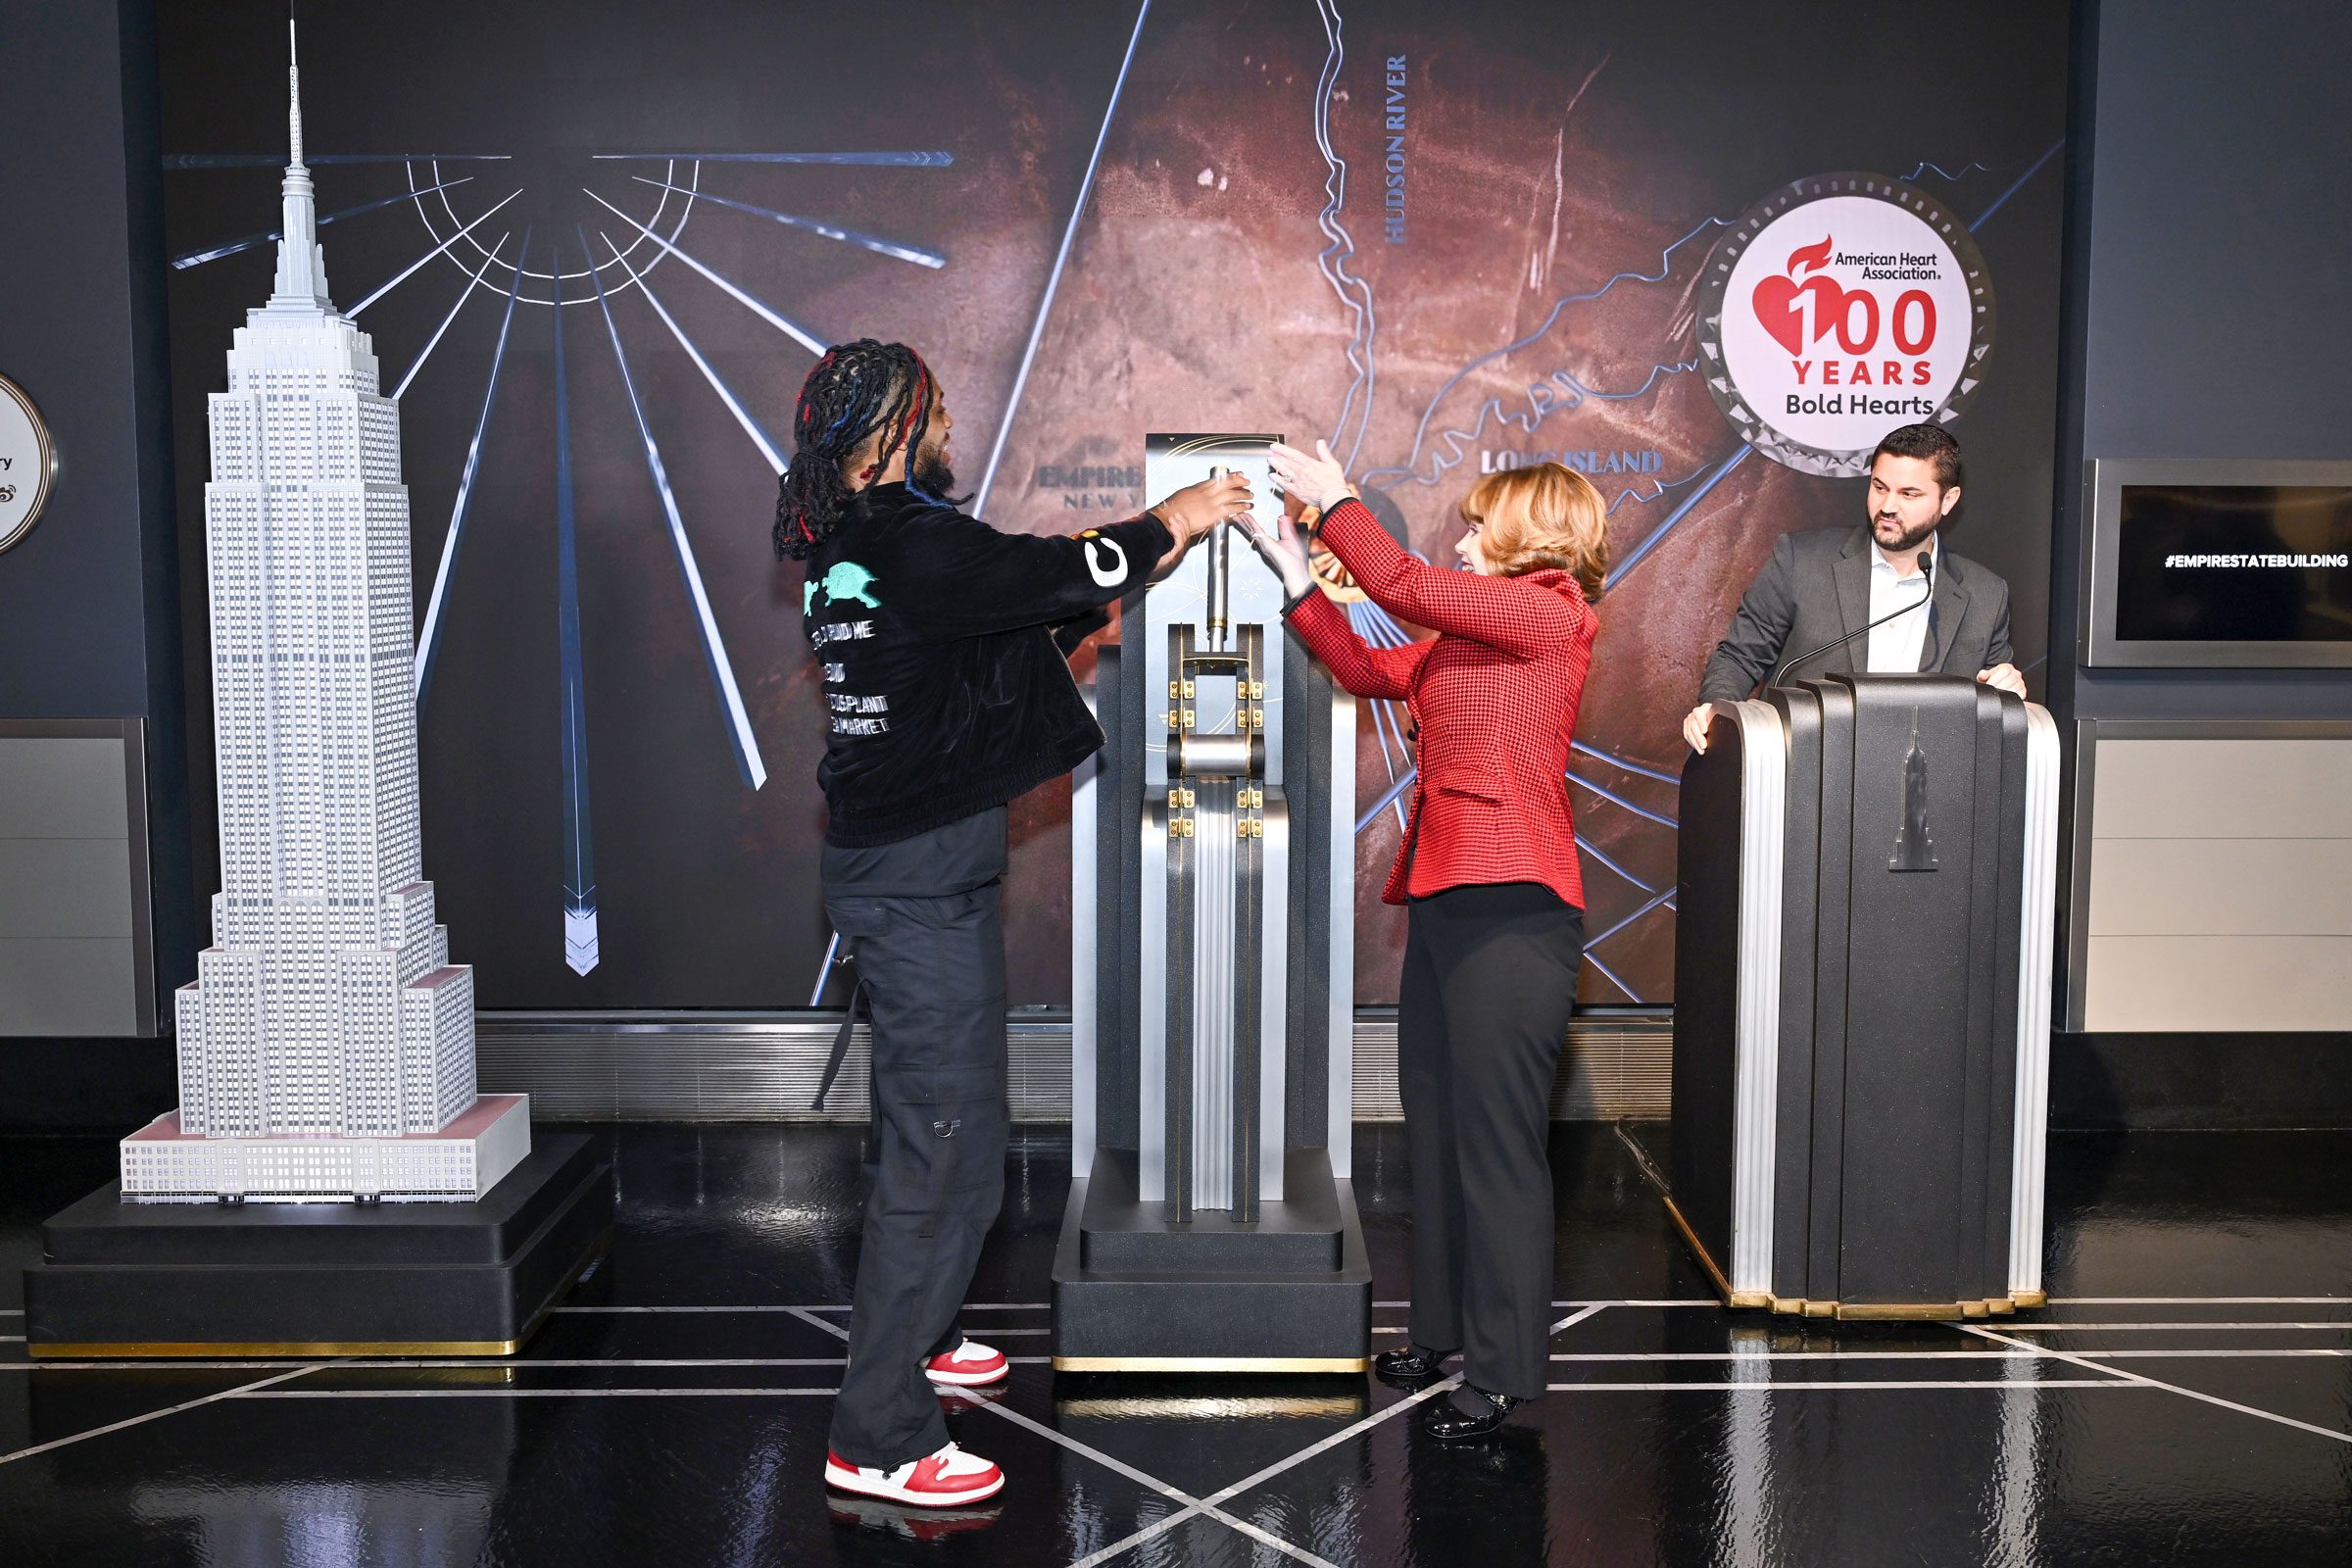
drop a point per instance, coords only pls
(128, 1279)
(1292, 1293)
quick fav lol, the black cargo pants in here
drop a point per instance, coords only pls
(933, 968)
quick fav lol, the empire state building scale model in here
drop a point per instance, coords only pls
(326, 1047)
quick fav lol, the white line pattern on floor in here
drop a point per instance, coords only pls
(2174, 1387)
(243, 1390)
(1175, 1495)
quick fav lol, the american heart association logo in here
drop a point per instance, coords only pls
(1777, 299)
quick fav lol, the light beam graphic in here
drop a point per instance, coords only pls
(714, 649)
(1585, 847)
(782, 323)
(199, 258)
(743, 417)
(1061, 257)
(824, 973)
(558, 278)
(848, 236)
(1614, 799)
(455, 306)
(403, 274)
(1630, 767)
(580, 946)
(428, 641)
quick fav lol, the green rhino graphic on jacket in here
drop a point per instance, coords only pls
(846, 581)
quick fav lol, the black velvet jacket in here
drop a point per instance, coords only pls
(944, 688)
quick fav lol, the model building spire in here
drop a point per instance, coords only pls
(301, 263)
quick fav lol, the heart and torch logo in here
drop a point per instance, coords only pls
(1838, 309)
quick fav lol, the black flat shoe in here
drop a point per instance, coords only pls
(1410, 1368)
(1449, 1422)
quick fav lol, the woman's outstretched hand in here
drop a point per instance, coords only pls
(1315, 477)
(1283, 546)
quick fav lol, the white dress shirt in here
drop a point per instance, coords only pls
(1895, 647)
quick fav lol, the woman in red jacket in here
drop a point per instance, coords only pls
(1488, 875)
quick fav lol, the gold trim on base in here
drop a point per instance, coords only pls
(275, 1350)
(1892, 1312)
(1213, 1363)
(1906, 1311)
(2029, 1300)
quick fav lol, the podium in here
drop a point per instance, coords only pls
(1862, 958)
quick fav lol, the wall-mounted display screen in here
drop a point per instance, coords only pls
(2220, 563)
(2234, 564)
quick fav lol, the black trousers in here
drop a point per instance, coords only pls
(1489, 982)
(934, 973)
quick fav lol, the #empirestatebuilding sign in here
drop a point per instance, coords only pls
(326, 1047)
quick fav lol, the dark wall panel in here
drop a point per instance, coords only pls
(89, 614)
(2208, 299)
(2210, 287)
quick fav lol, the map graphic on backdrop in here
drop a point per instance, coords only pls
(599, 248)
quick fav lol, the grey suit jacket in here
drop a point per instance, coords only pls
(1816, 588)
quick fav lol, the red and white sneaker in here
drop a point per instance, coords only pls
(968, 1365)
(947, 1479)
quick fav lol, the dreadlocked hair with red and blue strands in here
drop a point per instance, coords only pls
(856, 390)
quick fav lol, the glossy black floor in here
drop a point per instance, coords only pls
(2187, 1399)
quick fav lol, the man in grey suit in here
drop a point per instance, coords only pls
(1823, 583)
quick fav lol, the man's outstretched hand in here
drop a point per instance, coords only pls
(1196, 509)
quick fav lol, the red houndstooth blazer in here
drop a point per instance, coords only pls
(1493, 697)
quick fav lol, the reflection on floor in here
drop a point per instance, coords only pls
(2187, 1399)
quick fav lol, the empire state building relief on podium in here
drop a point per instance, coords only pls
(327, 1049)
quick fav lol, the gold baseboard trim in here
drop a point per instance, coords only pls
(1213, 1363)
(1895, 1312)
(1925, 1313)
(1722, 1287)
(272, 1350)
(1867, 1312)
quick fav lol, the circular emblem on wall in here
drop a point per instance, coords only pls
(27, 464)
(1837, 309)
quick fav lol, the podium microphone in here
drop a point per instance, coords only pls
(1926, 570)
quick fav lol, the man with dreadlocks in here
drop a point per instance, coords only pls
(942, 646)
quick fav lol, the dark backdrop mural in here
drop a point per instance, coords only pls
(1447, 238)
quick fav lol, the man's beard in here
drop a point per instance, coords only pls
(1909, 537)
(931, 473)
